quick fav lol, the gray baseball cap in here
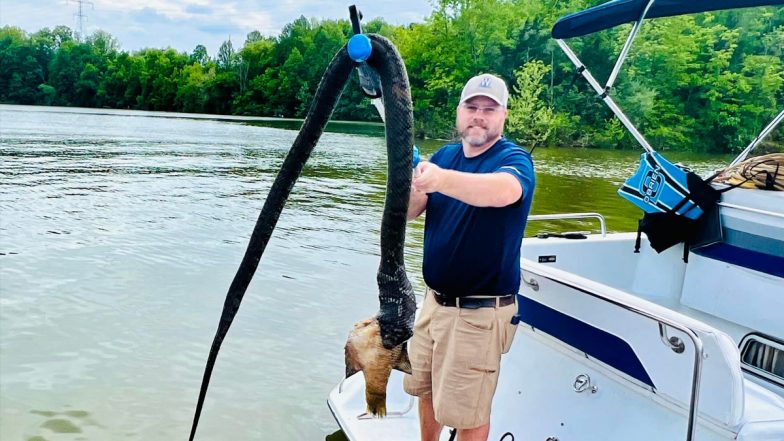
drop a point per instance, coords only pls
(486, 85)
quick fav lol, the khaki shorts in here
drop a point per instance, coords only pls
(455, 357)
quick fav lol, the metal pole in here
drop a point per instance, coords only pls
(754, 143)
(603, 95)
(695, 386)
(626, 47)
(80, 14)
(570, 216)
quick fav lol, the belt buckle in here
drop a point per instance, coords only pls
(458, 301)
(477, 304)
(480, 302)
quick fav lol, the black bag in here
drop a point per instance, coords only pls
(667, 229)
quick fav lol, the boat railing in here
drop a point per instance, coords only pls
(572, 216)
(751, 210)
(673, 342)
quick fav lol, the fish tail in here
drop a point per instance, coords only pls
(376, 404)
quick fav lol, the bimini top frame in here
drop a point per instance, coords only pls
(617, 12)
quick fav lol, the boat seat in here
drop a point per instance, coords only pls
(734, 293)
(740, 278)
(763, 416)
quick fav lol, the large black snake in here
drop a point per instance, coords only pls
(396, 297)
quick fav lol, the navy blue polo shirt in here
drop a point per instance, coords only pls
(476, 250)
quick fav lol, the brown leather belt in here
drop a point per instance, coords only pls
(473, 302)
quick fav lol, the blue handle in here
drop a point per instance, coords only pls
(415, 158)
(359, 47)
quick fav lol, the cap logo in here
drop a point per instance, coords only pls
(485, 82)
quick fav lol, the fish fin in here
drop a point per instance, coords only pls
(376, 381)
(403, 363)
(376, 403)
(352, 366)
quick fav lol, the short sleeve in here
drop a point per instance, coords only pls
(518, 163)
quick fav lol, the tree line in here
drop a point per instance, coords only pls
(706, 82)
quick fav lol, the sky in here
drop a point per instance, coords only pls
(183, 24)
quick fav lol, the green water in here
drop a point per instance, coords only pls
(121, 231)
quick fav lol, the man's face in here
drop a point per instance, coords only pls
(479, 120)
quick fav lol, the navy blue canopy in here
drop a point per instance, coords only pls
(616, 12)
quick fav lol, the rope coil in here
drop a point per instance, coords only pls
(761, 172)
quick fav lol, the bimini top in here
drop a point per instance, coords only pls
(616, 12)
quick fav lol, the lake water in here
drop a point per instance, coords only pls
(120, 232)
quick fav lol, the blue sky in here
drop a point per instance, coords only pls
(182, 24)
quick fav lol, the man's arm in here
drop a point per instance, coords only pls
(416, 203)
(477, 189)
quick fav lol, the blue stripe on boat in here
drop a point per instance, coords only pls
(749, 241)
(595, 342)
(762, 262)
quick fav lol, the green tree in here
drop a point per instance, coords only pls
(191, 89)
(531, 120)
(87, 86)
(253, 37)
(103, 44)
(159, 72)
(226, 56)
(199, 55)
(20, 70)
(47, 94)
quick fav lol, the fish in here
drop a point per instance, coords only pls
(365, 352)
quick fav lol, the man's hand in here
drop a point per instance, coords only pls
(429, 177)
(478, 189)
(418, 200)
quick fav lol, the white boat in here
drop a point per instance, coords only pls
(614, 345)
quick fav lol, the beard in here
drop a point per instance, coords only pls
(477, 138)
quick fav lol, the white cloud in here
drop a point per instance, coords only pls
(182, 24)
(172, 9)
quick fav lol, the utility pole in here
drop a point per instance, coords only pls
(81, 15)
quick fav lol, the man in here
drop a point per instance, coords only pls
(477, 194)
